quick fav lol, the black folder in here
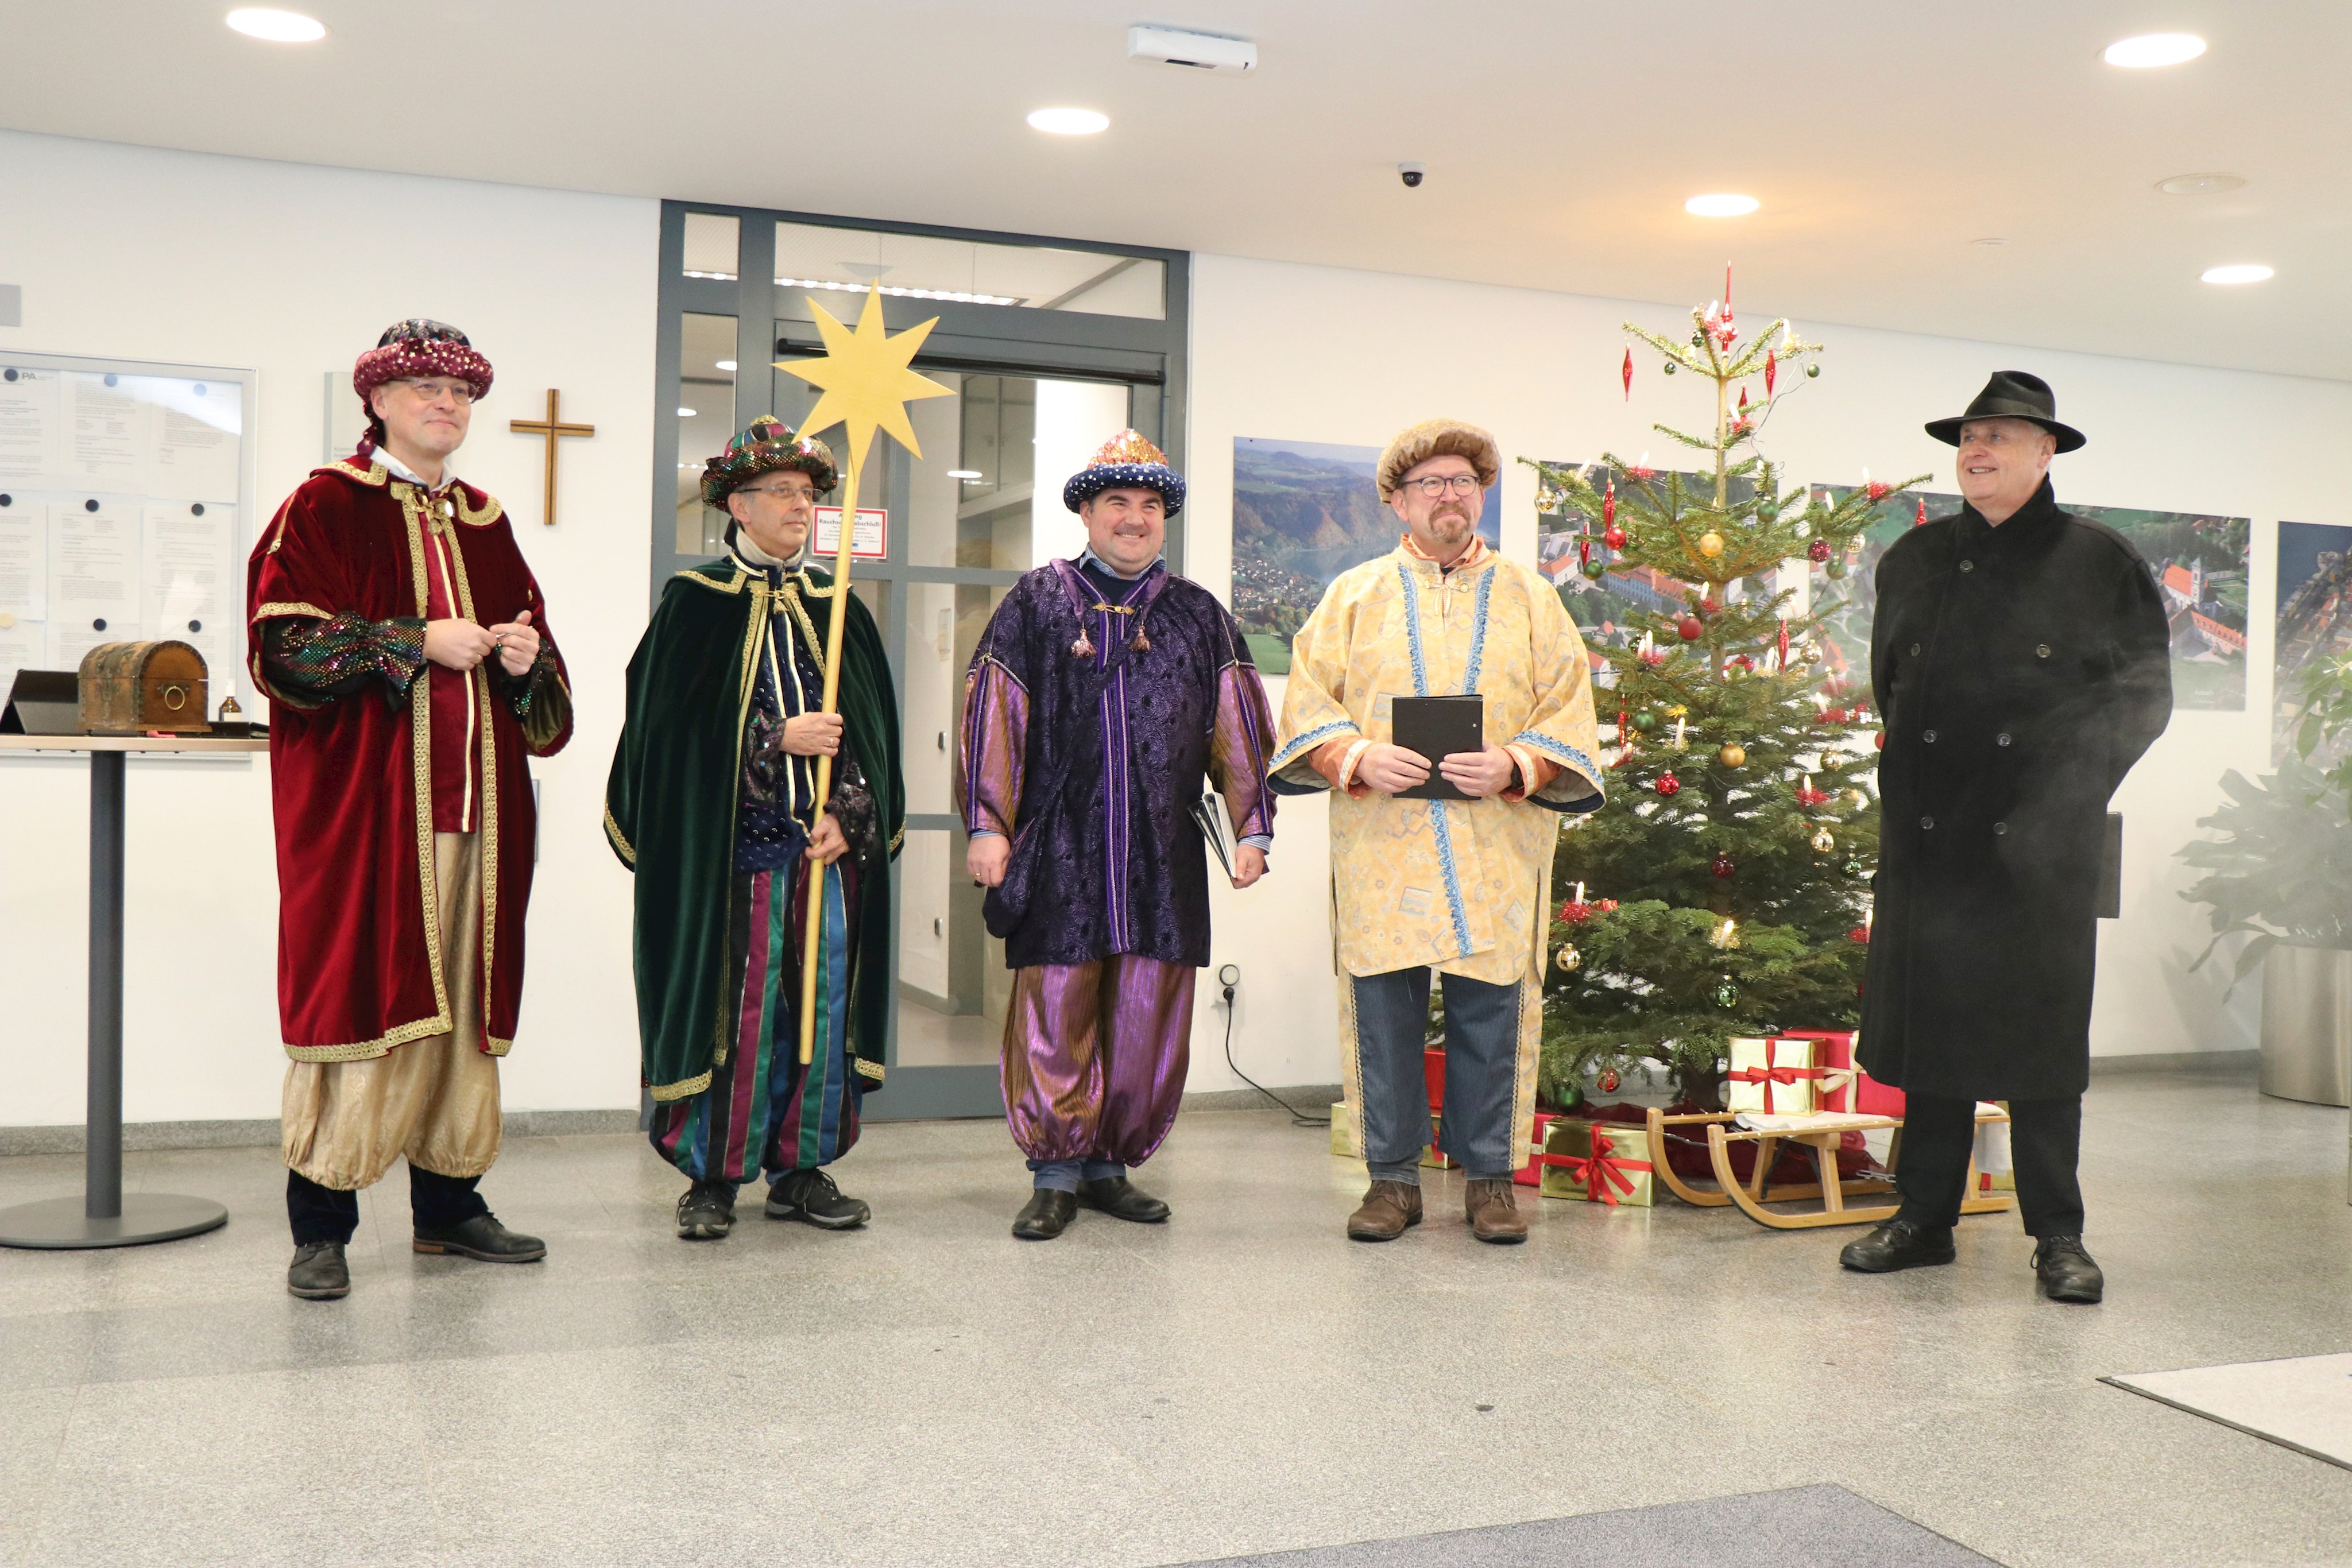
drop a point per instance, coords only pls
(43, 702)
(1438, 727)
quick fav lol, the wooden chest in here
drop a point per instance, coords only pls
(129, 688)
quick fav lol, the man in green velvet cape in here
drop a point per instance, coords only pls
(711, 804)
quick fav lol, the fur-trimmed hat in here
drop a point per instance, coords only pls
(1438, 438)
(409, 351)
(1127, 461)
(765, 446)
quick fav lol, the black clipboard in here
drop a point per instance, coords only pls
(1437, 728)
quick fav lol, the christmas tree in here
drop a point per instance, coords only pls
(1725, 889)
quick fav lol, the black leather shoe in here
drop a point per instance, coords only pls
(1898, 1244)
(810, 1195)
(1122, 1199)
(2066, 1270)
(318, 1272)
(706, 1211)
(1046, 1215)
(482, 1238)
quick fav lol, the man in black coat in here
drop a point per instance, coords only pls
(2022, 659)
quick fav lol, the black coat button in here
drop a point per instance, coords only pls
(2001, 739)
(2042, 650)
(1929, 737)
(1926, 822)
(2001, 827)
(1968, 566)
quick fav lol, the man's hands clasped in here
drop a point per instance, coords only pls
(458, 644)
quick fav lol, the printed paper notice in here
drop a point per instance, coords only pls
(22, 645)
(108, 431)
(196, 432)
(24, 559)
(93, 577)
(869, 541)
(189, 569)
(28, 424)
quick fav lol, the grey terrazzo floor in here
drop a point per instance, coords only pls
(1239, 1381)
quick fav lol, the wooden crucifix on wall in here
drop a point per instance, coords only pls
(551, 429)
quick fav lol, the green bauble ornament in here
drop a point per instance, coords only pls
(1858, 869)
(1593, 569)
(1727, 995)
(1645, 721)
(1670, 367)
(1813, 372)
(1836, 569)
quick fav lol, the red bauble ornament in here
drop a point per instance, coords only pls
(1860, 936)
(1609, 501)
(1818, 551)
(1608, 1081)
(1770, 364)
(1629, 375)
(1668, 785)
(1724, 866)
(1879, 740)
(1613, 537)
(1583, 551)
(1876, 490)
(1689, 629)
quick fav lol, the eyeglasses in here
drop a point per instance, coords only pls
(458, 391)
(788, 492)
(1437, 484)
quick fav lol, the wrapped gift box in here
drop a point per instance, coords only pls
(1531, 1174)
(1844, 1086)
(1996, 1169)
(1599, 1162)
(1432, 1156)
(1346, 1137)
(1777, 1076)
(1433, 1067)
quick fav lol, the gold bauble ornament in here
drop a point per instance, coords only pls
(1733, 754)
(1571, 960)
(1833, 760)
(1858, 798)
(1824, 843)
(1710, 543)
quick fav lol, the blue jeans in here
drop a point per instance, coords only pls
(1064, 1175)
(1482, 1050)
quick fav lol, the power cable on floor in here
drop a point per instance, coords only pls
(1298, 1118)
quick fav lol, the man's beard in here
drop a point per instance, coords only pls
(1450, 524)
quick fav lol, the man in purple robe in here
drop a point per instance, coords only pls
(1103, 693)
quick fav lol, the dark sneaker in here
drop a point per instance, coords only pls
(1122, 1199)
(1898, 1244)
(2066, 1273)
(318, 1272)
(482, 1238)
(1046, 1214)
(706, 1211)
(811, 1197)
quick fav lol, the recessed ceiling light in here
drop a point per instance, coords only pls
(728, 365)
(963, 474)
(1722, 204)
(2239, 272)
(2198, 185)
(2153, 49)
(953, 296)
(1989, 239)
(276, 26)
(1068, 121)
(685, 413)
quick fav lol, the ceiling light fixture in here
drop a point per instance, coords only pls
(1722, 204)
(2153, 49)
(727, 365)
(719, 276)
(2199, 185)
(276, 26)
(964, 474)
(2238, 272)
(1068, 121)
(953, 297)
(685, 413)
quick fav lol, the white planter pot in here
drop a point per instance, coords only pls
(2307, 1024)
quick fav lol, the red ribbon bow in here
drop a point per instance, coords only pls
(1600, 1170)
(1770, 1075)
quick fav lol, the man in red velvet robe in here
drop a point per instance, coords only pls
(403, 644)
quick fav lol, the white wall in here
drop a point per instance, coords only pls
(293, 270)
(1321, 354)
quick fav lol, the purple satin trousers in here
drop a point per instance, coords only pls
(1094, 1056)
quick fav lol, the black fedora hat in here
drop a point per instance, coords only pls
(2011, 394)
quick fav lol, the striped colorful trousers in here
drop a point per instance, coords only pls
(764, 1110)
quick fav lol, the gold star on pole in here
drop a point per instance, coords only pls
(864, 377)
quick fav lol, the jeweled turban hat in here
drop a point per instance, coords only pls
(414, 348)
(1127, 461)
(1438, 438)
(767, 445)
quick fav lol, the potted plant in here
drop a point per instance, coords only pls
(2281, 874)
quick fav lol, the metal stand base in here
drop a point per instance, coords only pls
(60, 1224)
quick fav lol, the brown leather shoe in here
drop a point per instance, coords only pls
(1494, 1214)
(1390, 1208)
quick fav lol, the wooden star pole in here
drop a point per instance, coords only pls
(867, 387)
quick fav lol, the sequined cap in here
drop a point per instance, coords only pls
(766, 446)
(417, 348)
(1127, 461)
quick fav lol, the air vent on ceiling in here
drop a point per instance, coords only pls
(1194, 51)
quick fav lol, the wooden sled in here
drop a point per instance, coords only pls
(1752, 1195)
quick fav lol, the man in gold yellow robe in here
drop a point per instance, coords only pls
(1460, 886)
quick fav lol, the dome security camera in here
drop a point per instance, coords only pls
(1413, 175)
